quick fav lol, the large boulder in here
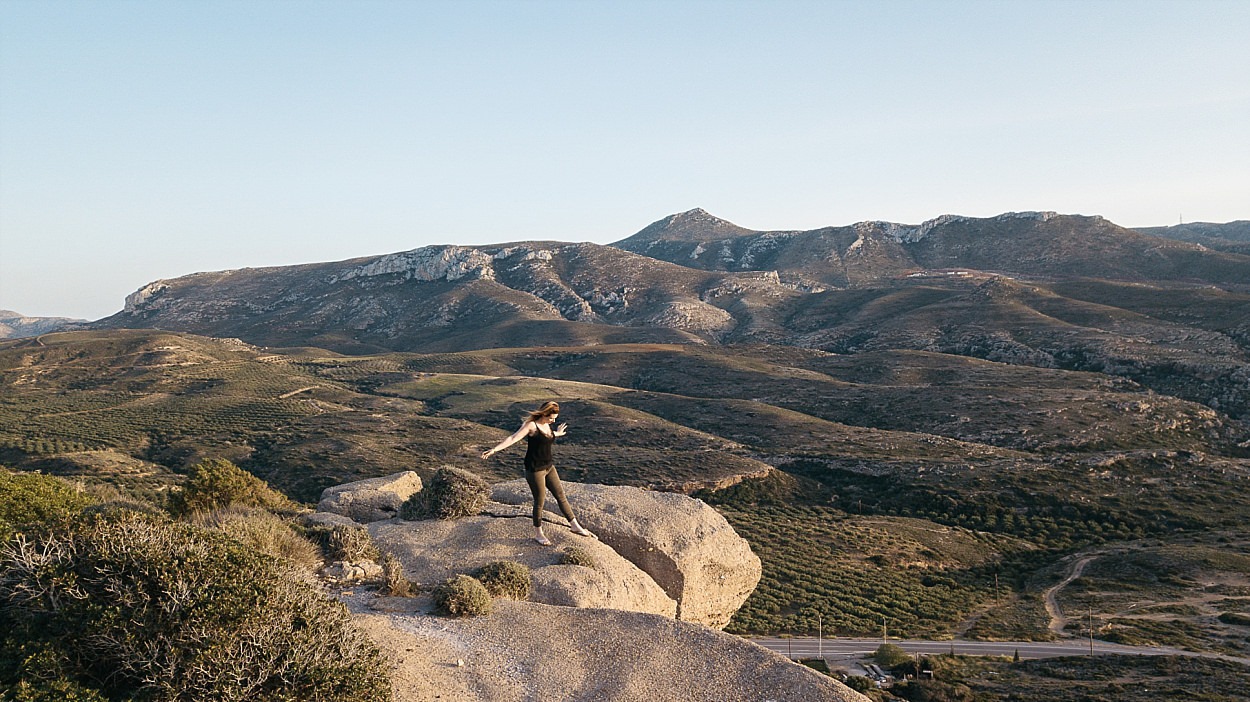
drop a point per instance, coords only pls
(681, 542)
(370, 500)
(525, 651)
(433, 550)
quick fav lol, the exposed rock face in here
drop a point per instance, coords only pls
(685, 545)
(435, 549)
(656, 552)
(370, 500)
(526, 651)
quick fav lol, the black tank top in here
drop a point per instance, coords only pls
(538, 454)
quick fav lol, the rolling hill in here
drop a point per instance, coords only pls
(854, 399)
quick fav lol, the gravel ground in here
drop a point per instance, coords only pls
(528, 652)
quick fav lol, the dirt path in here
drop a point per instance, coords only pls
(1057, 620)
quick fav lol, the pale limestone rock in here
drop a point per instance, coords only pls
(329, 519)
(682, 543)
(525, 651)
(370, 500)
(345, 572)
(433, 550)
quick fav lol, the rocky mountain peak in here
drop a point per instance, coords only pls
(691, 225)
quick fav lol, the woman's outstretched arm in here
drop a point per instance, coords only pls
(520, 434)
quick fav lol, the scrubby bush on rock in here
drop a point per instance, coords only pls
(575, 555)
(506, 579)
(349, 543)
(264, 532)
(451, 493)
(394, 582)
(138, 606)
(463, 596)
(32, 500)
(214, 483)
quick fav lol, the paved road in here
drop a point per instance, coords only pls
(841, 648)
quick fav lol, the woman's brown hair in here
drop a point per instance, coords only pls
(548, 409)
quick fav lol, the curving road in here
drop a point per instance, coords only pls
(809, 647)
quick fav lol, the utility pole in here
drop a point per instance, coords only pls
(996, 587)
(1091, 630)
(820, 640)
(885, 638)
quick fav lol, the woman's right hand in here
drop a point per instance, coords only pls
(487, 453)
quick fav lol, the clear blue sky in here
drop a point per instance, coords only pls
(145, 140)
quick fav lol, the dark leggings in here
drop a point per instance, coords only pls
(541, 481)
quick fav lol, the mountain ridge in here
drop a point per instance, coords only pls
(14, 325)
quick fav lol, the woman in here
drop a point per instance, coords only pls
(540, 471)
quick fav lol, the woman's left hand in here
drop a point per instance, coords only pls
(560, 430)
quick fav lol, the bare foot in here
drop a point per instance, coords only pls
(582, 531)
(542, 539)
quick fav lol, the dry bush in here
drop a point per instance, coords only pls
(575, 555)
(463, 596)
(394, 582)
(506, 579)
(263, 531)
(140, 606)
(450, 493)
(350, 543)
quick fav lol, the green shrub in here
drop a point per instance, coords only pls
(578, 556)
(214, 483)
(135, 605)
(1235, 618)
(463, 596)
(33, 501)
(861, 683)
(451, 493)
(506, 579)
(264, 532)
(890, 656)
(394, 582)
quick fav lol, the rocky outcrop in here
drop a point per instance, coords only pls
(526, 651)
(655, 552)
(433, 550)
(681, 542)
(370, 500)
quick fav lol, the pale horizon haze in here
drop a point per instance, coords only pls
(142, 140)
